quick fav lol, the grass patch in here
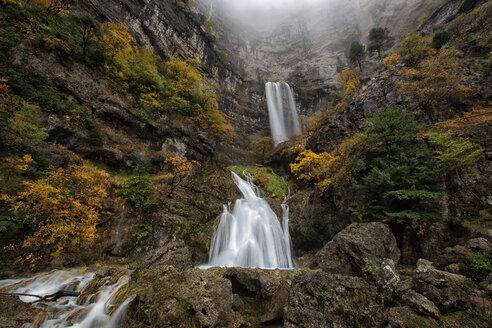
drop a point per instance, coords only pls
(263, 178)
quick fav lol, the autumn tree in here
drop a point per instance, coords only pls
(176, 170)
(262, 147)
(317, 168)
(435, 78)
(379, 40)
(390, 61)
(350, 81)
(357, 53)
(61, 209)
(19, 121)
(413, 48)
(116, 39)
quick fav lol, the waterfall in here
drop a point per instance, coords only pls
(251, 236)
(70, 311)
(282, 112)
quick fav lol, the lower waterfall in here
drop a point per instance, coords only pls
(251, 236)
(93, 310)
(282, 112)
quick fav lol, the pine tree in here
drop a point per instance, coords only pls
(379, 40)
(397, 178)
(357, 53)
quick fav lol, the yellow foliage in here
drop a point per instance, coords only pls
(117, 38)
(414, 48)
(350, 82)
(184, 76)
(63, 208)
(311, 166)
(391, 60)
(176, 169)
(435, 78)
(467, 120)
(326, 169)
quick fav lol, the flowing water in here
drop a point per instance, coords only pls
(251, 236)
(71, 311)
(282, 112)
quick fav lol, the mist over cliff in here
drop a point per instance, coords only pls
(304, 40)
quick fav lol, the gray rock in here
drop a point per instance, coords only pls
(453, 268)
(405, 317)
(319, 299)
(449, 291)
(403, 286)
(387, 280)
(420, 303)
(357, 246)
(478, 244)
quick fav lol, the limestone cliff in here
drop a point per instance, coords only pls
(308, 42)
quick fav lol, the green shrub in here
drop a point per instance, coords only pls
(440, 39)
(143, 230)
(264, 178)
(137, 190)
(479, 265)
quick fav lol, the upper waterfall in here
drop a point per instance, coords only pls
(282, 111)
(251, 236)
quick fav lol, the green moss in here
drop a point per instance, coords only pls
(264, 178)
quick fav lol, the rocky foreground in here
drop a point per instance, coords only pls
(354, 281)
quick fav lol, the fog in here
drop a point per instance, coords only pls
(258, 14)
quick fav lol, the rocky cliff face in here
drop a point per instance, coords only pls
(171, 32)
(309, 41)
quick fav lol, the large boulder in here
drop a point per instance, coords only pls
(357, 247)
(449, 291)
(318, 299)
(217, 297)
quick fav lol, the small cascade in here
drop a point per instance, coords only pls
(71, 311)
(251, 236)
(282, 112)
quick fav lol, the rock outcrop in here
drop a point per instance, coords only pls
(356, 248)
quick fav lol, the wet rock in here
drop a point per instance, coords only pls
(452, 255)
(358, 246)
(318, 299)
(14, 313)
(449, 291)
(453, 268)
(420, 303)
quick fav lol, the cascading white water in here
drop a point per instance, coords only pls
(251, 236)
(67, 312)
(282, 112)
